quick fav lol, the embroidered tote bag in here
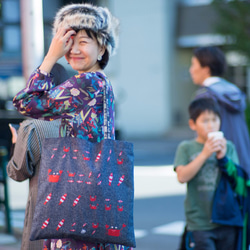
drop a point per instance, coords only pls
(85, 191)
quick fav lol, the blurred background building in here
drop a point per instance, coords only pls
(150, 71)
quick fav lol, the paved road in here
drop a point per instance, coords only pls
(158, 208)
(161, 221)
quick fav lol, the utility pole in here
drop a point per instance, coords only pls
(32, 35)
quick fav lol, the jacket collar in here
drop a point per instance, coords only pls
(211, 80)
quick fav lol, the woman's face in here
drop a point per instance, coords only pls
(197, 72)
(83, 54)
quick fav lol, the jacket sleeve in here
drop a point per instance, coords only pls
(41, 98)
(236, 174)
(26, 154)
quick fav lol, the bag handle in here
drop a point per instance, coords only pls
(106, 124)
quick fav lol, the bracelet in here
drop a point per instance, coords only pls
(44, 72)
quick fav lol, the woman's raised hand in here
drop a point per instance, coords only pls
(60, 45)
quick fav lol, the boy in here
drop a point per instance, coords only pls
(207, 68)
(198, 163)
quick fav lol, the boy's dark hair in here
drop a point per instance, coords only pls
(198, 106)
(212, 57)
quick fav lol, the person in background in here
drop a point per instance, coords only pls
(201, 163)
(87, 36)
(24, 164)
(207, 68)
(25, 159)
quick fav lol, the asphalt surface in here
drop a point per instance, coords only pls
(158, 208)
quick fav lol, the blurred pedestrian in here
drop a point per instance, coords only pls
(200, 163)
(207, 67)
(25, 159)
(86, 35)
(24, 165)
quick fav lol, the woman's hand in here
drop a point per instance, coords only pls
(60, 45)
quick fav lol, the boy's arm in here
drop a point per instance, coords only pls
(187, 172)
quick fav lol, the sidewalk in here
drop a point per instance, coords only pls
(153, 160)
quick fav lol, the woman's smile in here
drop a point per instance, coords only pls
(76, 58)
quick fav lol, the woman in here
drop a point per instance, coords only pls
(86, 35)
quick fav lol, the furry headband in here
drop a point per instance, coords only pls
(87, 16)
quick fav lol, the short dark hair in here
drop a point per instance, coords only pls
(212, 57)
(105, 58)
(198, 106)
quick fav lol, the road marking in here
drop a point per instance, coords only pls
(140, 233)
(153, 171)
(152, 181)
(174, 228)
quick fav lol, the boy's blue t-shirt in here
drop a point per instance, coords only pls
(201, 189)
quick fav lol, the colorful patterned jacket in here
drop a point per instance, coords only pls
(78, 101)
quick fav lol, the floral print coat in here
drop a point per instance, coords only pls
(78, 101)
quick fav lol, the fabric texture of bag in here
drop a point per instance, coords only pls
(86, 191)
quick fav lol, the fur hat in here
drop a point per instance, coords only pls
(87, 16)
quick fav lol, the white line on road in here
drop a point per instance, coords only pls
(174, 228)
(149, 182)
(140, 233)
(152, 181)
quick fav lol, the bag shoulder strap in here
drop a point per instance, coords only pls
(106, 123)
(106, 116)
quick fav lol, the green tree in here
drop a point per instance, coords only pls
(234, 23)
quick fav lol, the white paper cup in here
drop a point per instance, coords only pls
(216, 135)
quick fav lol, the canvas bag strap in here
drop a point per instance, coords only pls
(106, 116)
